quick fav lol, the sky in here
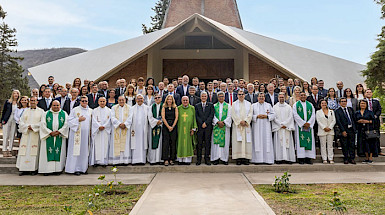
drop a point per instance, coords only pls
(342, 28)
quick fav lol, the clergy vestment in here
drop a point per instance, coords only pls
(138, 133)
(186, 123)
(27, 158)
(52, 154)
(221, 136)
(154, 154)
(78, 140)
(283, 137)
(263, 150)
(119, 151)
(241, 136)
(304, 112)
(100, 139)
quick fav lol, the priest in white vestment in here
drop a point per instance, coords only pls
(220, 142)
(241, 113)
(283, 127)
(154, 154)
(29, 126)
(100, 133)
(119, 151)
(53, 135)
(138, 131)
(263, 114)
(79, 122)
(304, 117)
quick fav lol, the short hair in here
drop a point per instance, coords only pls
(250, 84)
(203, 93)
(343, 98)
(140, 79)
(83, 97)
(139, 95)
(51, 77)
(281, 93)
(221, 93)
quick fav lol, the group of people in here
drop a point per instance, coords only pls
(72, 126)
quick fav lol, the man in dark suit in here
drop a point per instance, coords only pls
(321, 90)
(204, 112)
(64, 100)
(211, 95)
(230, 95)
(251, 96)
(315, 98)
(45, 102)
(93, 97)
(346, 123)
(121, 89)
(375, 106)
(290, 87)
(171, 91)
(271, 97)
(104, 89)
(182, 90)
(193, 99)
(202, 87)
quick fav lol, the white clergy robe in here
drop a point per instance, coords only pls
(27, 159)
(218, 152)
(154, 155)
(79, 140)
(283, 137)
(299, 122)
(120, 153)
(263, 150)
(139, 133)
(46, 166)
(241, 136)
(100, 140)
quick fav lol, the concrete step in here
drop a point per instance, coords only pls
(231, 168)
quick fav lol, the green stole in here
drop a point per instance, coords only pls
(220, 133)
(305, 137)
(54, 146)
(157, 129)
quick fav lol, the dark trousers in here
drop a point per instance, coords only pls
(168, 144)
(348, 145)
(204, 137)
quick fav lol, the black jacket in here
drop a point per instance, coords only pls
(316, 105)
(214, 98)
(7, 111)
(206, 116)
(342, 120)
(376, 109)
(91, 102)
(177, 98)
(193, 100)
(248, 98)
(102, 92)
(268, 99)
(67, 104)
(43, 105)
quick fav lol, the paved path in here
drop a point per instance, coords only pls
(320, 177)
(66, 179)
(197, 193)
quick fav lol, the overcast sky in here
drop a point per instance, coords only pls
(343, 28)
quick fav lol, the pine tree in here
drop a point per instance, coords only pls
(10, 71)
(157, 20)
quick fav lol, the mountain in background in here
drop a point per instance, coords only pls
(41, 56)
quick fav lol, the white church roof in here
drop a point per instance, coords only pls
(297, 61)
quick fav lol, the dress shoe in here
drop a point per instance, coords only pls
(346, 162)
(34, 173)
(198, 163)
(215, 162)
(21, 173)
(301, 162)
(45, 174)
(225, 163)
(208, 163)
(77, 173)
(352, 162)
(245, 162)
(239, 162)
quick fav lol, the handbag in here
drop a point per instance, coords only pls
(371, 134)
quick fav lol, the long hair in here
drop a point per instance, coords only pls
(328, 95)
(130, 86)
(19, 105)
(165, 104)
(363, 89)
(80, 84)
(18, 98)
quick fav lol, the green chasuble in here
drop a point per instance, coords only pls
(219, 134)
(156, 131)
(186, 122)
(305, 137)
(54, 143)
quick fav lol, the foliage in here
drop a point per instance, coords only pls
(375, 71)
(380, 97)
(281, 184)
(157, 21)
(337, 204)
(10, 70)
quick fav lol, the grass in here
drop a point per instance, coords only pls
(315, 198)
(52, 199)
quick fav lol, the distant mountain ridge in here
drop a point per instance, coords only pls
(41, 56)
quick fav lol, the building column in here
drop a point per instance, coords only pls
(154, 64)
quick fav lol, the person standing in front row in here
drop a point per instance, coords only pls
(169, 131)
(221, 133)
(241, 113)
(187, 127)
(154, 154)
(8, 122)
(304, 117)
(204, 112)
(326, 120)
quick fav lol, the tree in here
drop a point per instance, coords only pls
(157, 20)
(10, 71)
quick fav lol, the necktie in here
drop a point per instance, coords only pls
(47, 102)
(340, 93)
(94, 97)
(191, 100)
(203, 105)
(315, 98)
(231, 99)
(251, 97)
(347, 116)
(370, 105)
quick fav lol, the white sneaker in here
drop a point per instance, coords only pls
(324, 162)
(331, 162)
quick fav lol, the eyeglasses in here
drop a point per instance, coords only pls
(157, 97)
(84, 101)
(241, 94)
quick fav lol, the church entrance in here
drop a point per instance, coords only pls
(204, 69)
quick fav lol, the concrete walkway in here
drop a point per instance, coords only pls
(196, 193)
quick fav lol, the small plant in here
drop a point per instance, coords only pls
(68, 209)
(281, 184)
(337, 205)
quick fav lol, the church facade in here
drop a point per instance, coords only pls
(202, 38)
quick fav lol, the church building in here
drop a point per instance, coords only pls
(203, 38)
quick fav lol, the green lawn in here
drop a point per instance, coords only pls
(314, 199)
(52, 199)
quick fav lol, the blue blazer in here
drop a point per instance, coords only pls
(227, 97)
(268, 100)
(7, 111)
(180, 91)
